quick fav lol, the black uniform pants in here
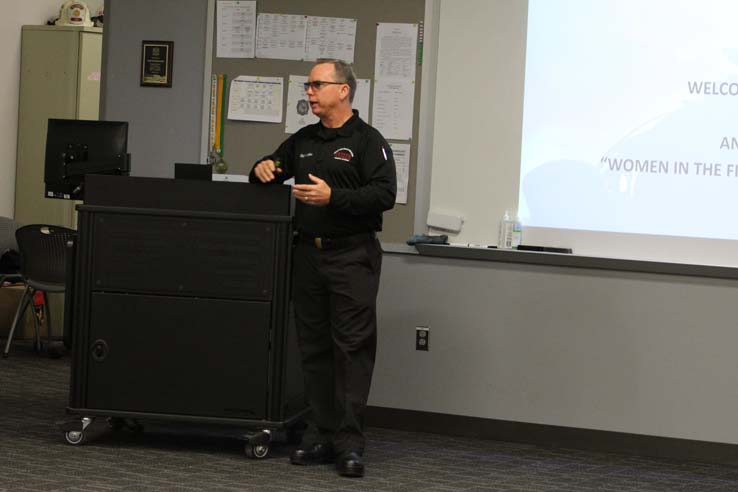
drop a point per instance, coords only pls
(335, 293)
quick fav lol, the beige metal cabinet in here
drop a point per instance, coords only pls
(60, 78)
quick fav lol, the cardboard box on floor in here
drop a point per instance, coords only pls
(10, 296)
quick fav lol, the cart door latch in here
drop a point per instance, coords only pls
(100, 350)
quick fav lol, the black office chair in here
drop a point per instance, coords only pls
(7, 244)
(43, 268)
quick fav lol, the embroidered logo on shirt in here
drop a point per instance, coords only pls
(343, 154)
(309, 154)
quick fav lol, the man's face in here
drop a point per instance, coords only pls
(325, 99)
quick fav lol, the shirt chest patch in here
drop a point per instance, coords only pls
(343, 154)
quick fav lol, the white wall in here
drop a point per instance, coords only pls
(478, 113)
(28, 12)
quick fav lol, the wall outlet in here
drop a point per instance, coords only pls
(422, 334)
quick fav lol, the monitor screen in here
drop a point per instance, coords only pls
(78, 147)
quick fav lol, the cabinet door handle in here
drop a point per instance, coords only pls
(100, 350)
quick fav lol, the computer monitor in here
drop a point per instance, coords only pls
(184, 170)
(75, 148)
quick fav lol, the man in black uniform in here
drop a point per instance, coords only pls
(344, 179)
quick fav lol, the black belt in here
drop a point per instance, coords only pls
(335, 242)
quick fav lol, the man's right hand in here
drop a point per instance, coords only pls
(265, 170)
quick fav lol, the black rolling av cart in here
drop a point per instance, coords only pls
(178, 309)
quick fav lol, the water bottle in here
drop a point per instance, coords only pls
(511, 232)
(504, 239)
(517, 232)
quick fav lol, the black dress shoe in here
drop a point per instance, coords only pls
(349, 464)
(313, 454)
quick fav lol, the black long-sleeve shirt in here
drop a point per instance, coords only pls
(355, 161)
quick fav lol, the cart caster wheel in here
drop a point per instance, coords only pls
(75, 438)
(256, 451)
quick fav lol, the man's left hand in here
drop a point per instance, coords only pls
(317, 194)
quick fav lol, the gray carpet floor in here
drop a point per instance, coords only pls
(35, 457)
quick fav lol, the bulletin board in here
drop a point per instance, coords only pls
(244, 142)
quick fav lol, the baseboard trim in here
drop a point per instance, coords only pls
(551, 435)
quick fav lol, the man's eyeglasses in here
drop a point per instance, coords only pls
(317, 84)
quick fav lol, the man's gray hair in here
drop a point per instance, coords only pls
(344, 73)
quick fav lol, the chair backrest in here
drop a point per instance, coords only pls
(7, 234)
(43, 252)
